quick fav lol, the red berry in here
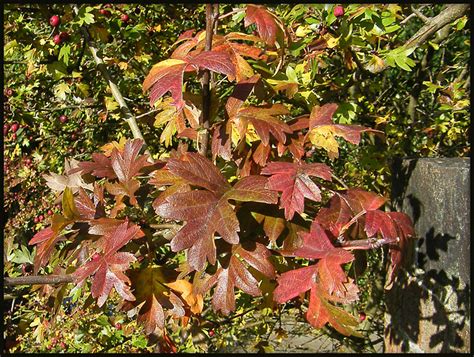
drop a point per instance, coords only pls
(338, 11)
(54, 20)
(6, 128)
(362, 316)
(57, 39)
(14, 136)
(14, 127)
(124, 18)
(118, 326)
(211, 333)
(41, 217)
(50, 212)
(28, 161)
(36, 220)
(96, 256)
(63, 118)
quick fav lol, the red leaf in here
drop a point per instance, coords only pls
(196, 170)
(316, 244)
(46, 240)
(344, 206)
(268, 25)
(331, 275)
(397, 251)
(163, 78)
(84, 205)
(168, 75)
(316, 315)
(379, 221)
(336, 216)
(108, 268)
(216, 61)
(293, 180)
(294, 283)
(100, 166)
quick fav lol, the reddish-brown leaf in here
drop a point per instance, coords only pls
(322, 130)
(150, 288)
(208, 211)
(241, 92)
(236, 275)
(128, 163)
(293, 180)
(221, 143)
(45, 239)
(264, 120)
(268, 26)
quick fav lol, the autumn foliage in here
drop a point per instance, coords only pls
(254, 204)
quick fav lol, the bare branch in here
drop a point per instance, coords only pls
(128, 116)
(38, 279)
(448, 15)
(212, 16)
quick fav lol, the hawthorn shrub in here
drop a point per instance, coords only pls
(242, 198)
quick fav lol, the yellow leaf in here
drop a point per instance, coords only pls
(302, 31)
(323, 137)
(110, 104)
(123, 65)
(107, 148)
(331, 41)
(168, 132)
(167, 63)
(69, 207)
(61, 90)
(195, 301)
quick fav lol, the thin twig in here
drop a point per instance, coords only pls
(146, 114)
(419, 14)
(234, 11)
(340, 181)
(406, 19)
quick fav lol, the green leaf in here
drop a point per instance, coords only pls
(85, 17)
(64, 53)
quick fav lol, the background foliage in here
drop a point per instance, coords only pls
(419, 98)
